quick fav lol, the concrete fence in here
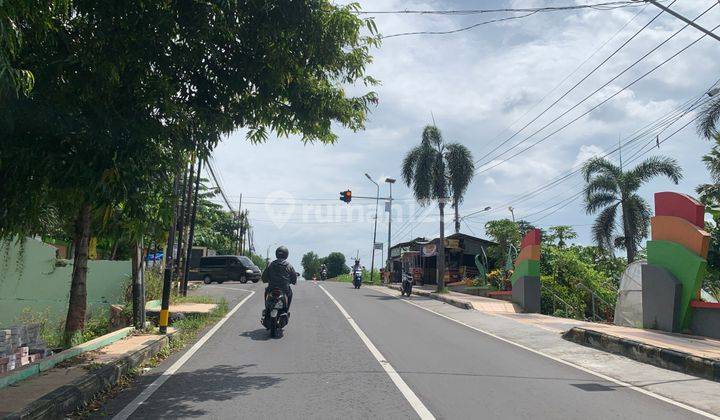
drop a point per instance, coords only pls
(32, 279)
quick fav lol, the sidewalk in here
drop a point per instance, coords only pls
(543, 335)
(464, 301)
(74, 382)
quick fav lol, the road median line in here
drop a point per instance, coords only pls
(408, 393)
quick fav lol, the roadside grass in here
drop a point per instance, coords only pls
(187, 328)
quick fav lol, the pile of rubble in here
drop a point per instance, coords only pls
(21, 345)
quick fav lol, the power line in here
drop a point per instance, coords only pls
(454, 31)
(597, 50)
(564, 95)
(599, 6)
(593, 108)
(650, 129)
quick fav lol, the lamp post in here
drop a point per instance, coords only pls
(390, 182)
(377, 200)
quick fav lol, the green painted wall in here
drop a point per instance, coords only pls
(685, 265)
(530, 268)
(32, 281)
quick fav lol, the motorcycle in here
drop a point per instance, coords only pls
(407, 284)
(323, 275)
(357, 279)
(275, 316)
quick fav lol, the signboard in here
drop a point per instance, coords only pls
(452, 243)
(397, 251)
(378, 245)
(429, 250)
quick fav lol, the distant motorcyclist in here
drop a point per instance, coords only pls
(323, 272)
(279, 274)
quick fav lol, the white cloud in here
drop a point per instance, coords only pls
(476, 84)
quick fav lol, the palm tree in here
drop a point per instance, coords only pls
(710, 116)
(710, 193)
(609, 187)
(461, 169)
(436, 171)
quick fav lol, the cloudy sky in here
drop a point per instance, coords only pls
(482, 86)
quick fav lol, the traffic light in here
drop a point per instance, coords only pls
(346, 196)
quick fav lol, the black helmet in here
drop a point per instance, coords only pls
(282, 252)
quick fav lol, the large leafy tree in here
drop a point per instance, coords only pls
(335, 262)
(507, 235)
(311, 265)
(560, 234)
(123, 92)
(609, 188)
(436, 171)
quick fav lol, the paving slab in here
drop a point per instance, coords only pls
(18, 396)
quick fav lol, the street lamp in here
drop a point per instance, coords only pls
(390, 182)
(377, 200)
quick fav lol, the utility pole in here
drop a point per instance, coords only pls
(377, 201)
(239, 215)
(684, 19)
(390, 182)
(191, 235)
(185, 219)
(167, 274)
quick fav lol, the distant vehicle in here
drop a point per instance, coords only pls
(220, 268)
(407, 284)
(357, 279)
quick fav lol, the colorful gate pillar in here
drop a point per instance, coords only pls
(676, 262)
(526, 277)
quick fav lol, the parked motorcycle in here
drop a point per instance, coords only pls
(275, 316)
(357, 279)
(407, 284)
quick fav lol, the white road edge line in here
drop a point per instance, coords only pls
(409, 395)
(565, 362)
(147, 392)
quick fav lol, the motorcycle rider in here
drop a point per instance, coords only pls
(280, 274)
(323, 272)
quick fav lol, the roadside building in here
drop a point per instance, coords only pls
(419, 257)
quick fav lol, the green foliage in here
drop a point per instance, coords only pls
(311, 265)
(124, 92)
(335, 263)
(611, 188)
(558, 235)
(574, 274)
(215, 227)
(710, 196)
(257, 260)
(505, 233)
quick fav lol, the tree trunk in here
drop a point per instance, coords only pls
(441, 251)
(138, 286)
(457, 216)
(75, 321)
(629, 243)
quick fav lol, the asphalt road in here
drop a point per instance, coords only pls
(321, 368)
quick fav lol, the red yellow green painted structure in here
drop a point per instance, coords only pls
(526, 277)
(527, 264)
(680, 245)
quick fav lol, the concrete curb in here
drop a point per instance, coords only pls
(33, 369)
(68, 398)
(646, 353)
(454, 302)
